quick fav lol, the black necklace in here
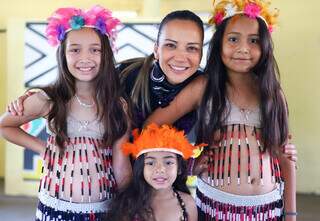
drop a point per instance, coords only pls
(184, 216)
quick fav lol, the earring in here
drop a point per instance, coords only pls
(156, 78)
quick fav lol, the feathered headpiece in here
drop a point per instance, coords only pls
(251, 8)
(163, 138)
(64, 20)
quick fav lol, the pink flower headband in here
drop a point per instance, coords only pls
(251, 8)
(64, 20)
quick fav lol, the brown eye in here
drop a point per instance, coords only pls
(170, 45)
(74, 50)
(96, 50)
(233, 39)
(193, 49)
(254, 40)
(149, 163)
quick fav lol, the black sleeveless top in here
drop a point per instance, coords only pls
(161, 94)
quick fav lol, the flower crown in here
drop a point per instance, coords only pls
(251, 8)
(64, 20)
(163, 138)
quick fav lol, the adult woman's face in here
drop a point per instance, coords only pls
(179, 49)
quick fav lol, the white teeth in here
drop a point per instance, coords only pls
(86, 69)
(160, 179)
(178, 68)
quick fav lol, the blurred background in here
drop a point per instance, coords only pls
(26, 60)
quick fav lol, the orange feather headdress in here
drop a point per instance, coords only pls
(163, 138)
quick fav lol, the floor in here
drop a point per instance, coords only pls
(23, 208)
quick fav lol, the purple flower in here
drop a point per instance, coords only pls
(101, 25)
(61, 32)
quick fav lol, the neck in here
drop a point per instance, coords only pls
(241, 82)
(85, 89)
(242, 89)
(162, 194)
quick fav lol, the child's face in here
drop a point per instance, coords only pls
(160, 169)
(240, 45)
(179, 49)
(83, 54)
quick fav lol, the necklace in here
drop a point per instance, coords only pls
(82, 103)
(184, 216)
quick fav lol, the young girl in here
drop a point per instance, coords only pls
(154, 81)
(244, 118)
(87, 119)
(158, 190)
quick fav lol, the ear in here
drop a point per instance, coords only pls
(155, 51)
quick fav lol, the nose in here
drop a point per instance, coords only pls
(85, 55)
(160, 168)
(180, 55)
(243, 48)
(84, 58)
(84, 61)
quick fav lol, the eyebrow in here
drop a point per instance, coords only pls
(94, 44)
(238, 33)
(165, 157)
(189, 43)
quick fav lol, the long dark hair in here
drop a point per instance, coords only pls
(135, 199)
(140, 91)
(111, 104)
(272, 101)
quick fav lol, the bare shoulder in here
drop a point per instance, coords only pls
(190, 205)
(187, 198)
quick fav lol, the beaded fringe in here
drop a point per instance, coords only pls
(46, 213)
(216, 211)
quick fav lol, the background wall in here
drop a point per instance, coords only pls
(297, 46)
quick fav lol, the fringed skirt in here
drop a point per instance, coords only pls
(53, 209)
(216, 205)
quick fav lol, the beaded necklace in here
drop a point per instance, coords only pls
(184, 216)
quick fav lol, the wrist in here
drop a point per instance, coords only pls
(290, 214)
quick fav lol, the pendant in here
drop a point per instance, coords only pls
(83, 125)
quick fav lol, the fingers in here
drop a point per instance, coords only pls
(16, 106)
(201, 164)
(11, 109)
(289, 151)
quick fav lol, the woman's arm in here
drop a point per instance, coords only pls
(121, 163)
(35, 106)
(187, 100)
(288, 173)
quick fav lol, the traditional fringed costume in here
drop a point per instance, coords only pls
(240, 158)
(77, 179)
(78, 184)
(239, 163)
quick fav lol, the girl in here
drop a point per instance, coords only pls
(154, 81)
(87, 119)
(244, 118)
(158, 190)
